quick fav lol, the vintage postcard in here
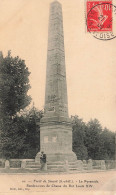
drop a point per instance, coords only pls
(57, 97)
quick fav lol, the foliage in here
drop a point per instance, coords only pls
(13, 137)
(91, 141)
(107, 150)
(21, 136)
(78, 138)
(14, 85)
(33, 132)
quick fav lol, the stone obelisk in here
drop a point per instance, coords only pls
(55, 127)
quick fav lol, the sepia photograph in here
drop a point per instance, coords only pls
(57, 97)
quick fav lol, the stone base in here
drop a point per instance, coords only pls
(56, 138)
(59, 162)
(70, 157)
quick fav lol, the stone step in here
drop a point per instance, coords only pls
(62, 163)
(84, 166)
(72, 166)
(54, 166)
(32, 162)
(56, 169)
(55, 163)
(74, 163)
(33, 166)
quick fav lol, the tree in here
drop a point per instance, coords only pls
(99, 142)
(13, 138)
(108, 145)
(92, 139)
(14, 85)
(78, 138)
(32, 140)
(21, 135)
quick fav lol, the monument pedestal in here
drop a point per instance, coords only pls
(56, 139)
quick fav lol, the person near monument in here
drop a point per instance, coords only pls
(43, 161)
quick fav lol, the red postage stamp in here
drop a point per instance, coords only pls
(99, 16)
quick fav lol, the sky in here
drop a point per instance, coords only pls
(90, 63)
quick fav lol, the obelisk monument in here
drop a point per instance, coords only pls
(55, 126)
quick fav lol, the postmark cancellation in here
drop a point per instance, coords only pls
(101, 19)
